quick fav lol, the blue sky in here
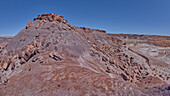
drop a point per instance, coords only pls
(114, 16)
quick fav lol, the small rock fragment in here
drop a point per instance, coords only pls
(28, 24)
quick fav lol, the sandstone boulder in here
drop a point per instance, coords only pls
(112, 61)
(5, 66)
(65, 21)
(22, 61)
(55, 56)
(124, 76)
(1, 63)
(12, 65)
(104, 59)
(28, 24)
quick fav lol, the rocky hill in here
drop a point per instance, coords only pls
(51, 57)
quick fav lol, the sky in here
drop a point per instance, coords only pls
(115, 16)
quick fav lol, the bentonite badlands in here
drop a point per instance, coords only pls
(50, 57)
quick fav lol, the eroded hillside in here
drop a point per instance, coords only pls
(52, 57)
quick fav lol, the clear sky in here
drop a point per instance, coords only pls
(114, 16)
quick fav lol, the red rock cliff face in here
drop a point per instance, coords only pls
(52, 57)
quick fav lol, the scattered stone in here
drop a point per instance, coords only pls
(1, 63)
(65, 21)
(64, 28)
(29, 69)
(34, 59)
(121, 67)
(51, 17)
(69, 25)
(92, 54)
(4, 79)
(104, 59)
(22, 61)
(40, 58)
(55, 56)
(62, 16)
(124, 76)
(131, 58)
(28, 24)
(5, 66)
(112, 61)
(12, 65)
(107, 71)
(55, 48)
(59, 85)
(48, 44)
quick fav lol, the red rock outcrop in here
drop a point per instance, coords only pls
(28, 24)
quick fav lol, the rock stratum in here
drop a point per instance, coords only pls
(50, 57)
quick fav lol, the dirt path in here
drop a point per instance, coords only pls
(145, 62)
(143, 58)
